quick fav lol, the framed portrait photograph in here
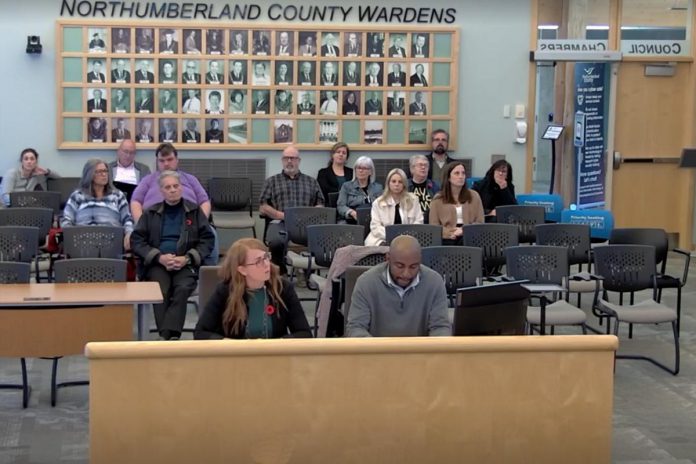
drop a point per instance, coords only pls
(307, 43)
(191, 101)
(328, 103)
(168, 41)
(97, 39)
(397, 75)
(168, 100)
(215, 101)
(418, 105)
(167, 72)
(375, 44)
(260, 102)
(282, 130)
(418, 132)
(352, 73)
(191, 132)
(329, 73)
(373, 133)
(143, 127)
(120, 129)
(95, 71)
(283, 102)
(351, 103)
(285, 43)
(190, 72)
(238, 72)
(144, 40)
(419, 75)
(213, 131)
(306, 73)
(352, 45)
(96, 100)
(143, 73)
(144, 101)
(237, 131)
(284, 72)
(373, 103)
(120, 100)
(168, 131)
(328, 131)
(239, 42)
(420, 46)
(215, 42)
(396, 103)
(261, 73)
(192, 41)
(120, 71)
(261, 42)
(374, 76)
(216, 72)
(306, 102)
(96, 130)
(329, 44)
(238, 100)
(121, 40)
(397, 45)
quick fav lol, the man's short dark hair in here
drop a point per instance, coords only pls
(439, 131)
(166, 149)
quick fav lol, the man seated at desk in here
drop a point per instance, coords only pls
(400, 298)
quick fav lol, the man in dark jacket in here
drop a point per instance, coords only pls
(438, 158)
(171, 238)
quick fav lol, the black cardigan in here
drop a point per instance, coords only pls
(493, 196)
(289, 323)
(328, 182)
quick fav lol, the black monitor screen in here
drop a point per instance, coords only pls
(496, 309)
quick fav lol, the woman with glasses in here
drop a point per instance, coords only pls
(496, 187)
(332, 177)
(97, 203)
(359, 192)
(252, 301)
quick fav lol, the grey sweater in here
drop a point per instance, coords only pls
(377, 310)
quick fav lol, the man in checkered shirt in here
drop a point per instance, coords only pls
(288, 189)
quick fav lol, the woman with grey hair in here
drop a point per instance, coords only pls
(359, 192)
(97, 203)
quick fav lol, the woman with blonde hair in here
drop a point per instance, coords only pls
(395, 206)
(252, 301)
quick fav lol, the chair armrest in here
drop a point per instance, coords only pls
(687, 261)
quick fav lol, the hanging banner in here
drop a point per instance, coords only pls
(591, 92)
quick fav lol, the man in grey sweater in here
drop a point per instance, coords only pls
(400, 298)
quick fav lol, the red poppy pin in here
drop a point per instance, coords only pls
(270, 310)
(189, 222)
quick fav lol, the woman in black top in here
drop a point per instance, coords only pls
(331, 178)
(496, 188)
(252, 301)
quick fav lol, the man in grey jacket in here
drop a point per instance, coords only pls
(400, 298)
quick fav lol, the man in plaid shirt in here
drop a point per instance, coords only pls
(288, 189)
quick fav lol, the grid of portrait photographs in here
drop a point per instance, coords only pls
(212, 86)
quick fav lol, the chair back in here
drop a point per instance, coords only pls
(552, 204)
(351, 276)
(42, 218)
(65, 186)
(14, 273)
(492, 239)
(525, 217)
(364, 218)
(332, 201)
(36, 200)
(207, 281)
(18, 243)
(575, 237)
(644, 236)
(324, 239)
(625, 268)
(371, 260)
(601, 222)
(230, 193)
(427, 234)
(93, 242)
(90, 270)
(537, 264)
(459, 266)
(297, 219)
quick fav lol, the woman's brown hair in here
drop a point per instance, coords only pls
(446, 192)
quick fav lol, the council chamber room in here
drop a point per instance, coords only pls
(359, 233)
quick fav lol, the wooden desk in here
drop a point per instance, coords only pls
(47, 320)
(390, 400)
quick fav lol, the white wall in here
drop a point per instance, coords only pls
(493, 72)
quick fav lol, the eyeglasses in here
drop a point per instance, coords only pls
(363, 168)
(260, 261)
(101, 171)
(290, 158)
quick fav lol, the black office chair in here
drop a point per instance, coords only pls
(296, 222)
(525, 217)
(459, 266)
(18, 243)
(228, 197)
(427, 234)
(492, 239)
(93, 242)
(63, 185)
(36, 200)
(42, 218)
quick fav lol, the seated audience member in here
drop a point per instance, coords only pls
(171, 238)
(395, 206)
(438, 157)
(423, 188)
(252, 301)
(290, 188)
(496, 188)
(27, 178)
(97, 203)
(359, 192)
(399, 298)
(455, 206)
(331, 178)
(124, 168)
(148, 193)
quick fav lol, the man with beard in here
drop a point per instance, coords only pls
(438, 158)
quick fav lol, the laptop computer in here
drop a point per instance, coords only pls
(495, 309)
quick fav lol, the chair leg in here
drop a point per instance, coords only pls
(675, 329)
(630, 330)
(678, 311)
(24, 386)
(584, 329)
(55, 386)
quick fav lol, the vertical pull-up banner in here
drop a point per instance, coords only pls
(589, 133)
